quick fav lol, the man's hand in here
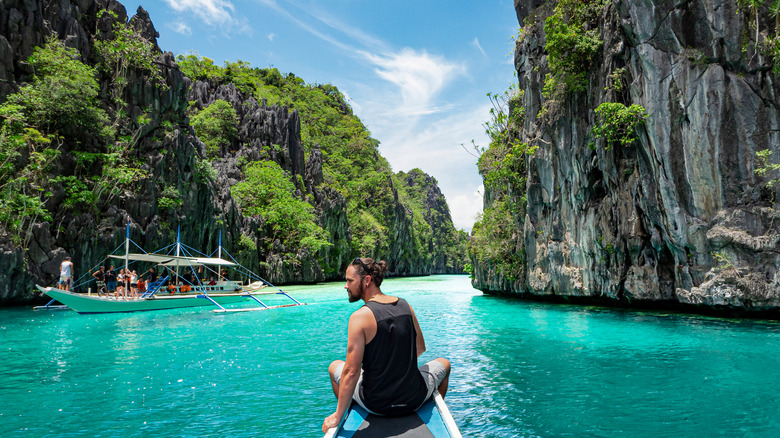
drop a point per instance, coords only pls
(331, 421)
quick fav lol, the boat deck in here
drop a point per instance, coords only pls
(432, 420)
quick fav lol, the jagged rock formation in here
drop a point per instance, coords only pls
(679, 217)
(171, 154)
(424, 189)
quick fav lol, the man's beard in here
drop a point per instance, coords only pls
(359, 295)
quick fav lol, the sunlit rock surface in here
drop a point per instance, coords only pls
(680, 217)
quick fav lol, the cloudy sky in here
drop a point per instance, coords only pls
(415, 72)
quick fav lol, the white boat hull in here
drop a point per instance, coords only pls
(82, 303)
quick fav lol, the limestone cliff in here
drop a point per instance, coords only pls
(161, 139)
(678, 217)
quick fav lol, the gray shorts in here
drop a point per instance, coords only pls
(433, 372)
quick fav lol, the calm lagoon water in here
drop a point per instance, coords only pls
(519, 369)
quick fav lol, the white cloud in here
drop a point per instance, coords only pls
(271, 37)
(182, 28)
(305, 26)
(218, 13)
(419, 75)
(210, 11)
(476, 44)
(349, 31)
(465, 208)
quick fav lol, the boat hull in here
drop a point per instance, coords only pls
(432, 420)
(82, 303)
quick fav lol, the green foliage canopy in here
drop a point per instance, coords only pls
(766, 167)
(25, 156)
(502, 165)
(266, 191)
(63, 96)
(126, 50)
(573, 43)
(216, 125)
(617, 123)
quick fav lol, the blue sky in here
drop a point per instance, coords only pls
(415, 72)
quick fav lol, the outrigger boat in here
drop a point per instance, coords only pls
(178, 293)
(432, 420)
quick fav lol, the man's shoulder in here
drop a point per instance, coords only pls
(361, 316)
(362, 311)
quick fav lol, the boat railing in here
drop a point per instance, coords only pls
(154, 286)
(220, 286)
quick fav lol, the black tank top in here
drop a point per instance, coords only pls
(392, 383)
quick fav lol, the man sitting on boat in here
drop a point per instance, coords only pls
(384, 341)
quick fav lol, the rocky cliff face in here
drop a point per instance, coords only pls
(424, 189)
(172, 155)
(679, 216)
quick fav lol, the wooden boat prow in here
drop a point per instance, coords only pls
(432, 420)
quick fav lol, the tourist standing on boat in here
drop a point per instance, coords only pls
(134, 284)
(110, 279)
(152, 275)
(120, 283)
(384, 341)
(66, 274)
(100, 280)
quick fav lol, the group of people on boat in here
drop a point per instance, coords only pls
(126, 284)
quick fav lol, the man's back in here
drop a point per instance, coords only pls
(392, 383)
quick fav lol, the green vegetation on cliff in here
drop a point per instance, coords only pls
(216, 125)
(59, 109)
(496, 243)
(351, 164)
(266, 191)
(434, 240)
(572, 43)
(617, 123)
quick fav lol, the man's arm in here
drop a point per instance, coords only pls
(356, 346)
(419, 341)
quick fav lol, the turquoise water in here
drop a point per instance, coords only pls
(519, 369)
